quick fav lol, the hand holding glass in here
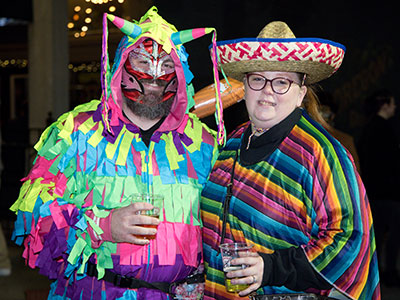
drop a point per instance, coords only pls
(156, 201)
(231, 251)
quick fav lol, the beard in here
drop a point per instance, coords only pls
(150, 106)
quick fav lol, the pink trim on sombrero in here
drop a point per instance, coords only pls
(278, 51)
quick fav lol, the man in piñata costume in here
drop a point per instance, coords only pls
(74, 212)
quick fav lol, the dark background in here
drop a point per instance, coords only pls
(368, 31)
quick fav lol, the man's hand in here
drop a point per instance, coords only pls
(127, 224)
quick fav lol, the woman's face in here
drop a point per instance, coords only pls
(267, 108)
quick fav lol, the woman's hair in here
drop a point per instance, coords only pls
(311, 103)
(312, 106)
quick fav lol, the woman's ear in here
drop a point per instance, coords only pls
(302, 94)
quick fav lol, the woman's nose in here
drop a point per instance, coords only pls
(268, 88)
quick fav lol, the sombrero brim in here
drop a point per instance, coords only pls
(318, 58)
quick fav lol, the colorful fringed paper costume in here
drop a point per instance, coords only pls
(92, 159)
(306, 193)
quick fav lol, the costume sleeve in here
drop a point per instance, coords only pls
(342, 244)
(290, 268)
(104, 224)
(51, 220)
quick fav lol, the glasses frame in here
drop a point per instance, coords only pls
(271, 80)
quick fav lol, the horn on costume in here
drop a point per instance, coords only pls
(125, 26)
(188, 35)
(129, 29)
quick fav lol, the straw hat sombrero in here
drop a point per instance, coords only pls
(277, 49)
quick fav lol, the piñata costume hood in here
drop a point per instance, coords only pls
(153, 26)
(93, 158)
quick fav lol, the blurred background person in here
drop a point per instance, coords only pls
(380, 163)
(328, 110)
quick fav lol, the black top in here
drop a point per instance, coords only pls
(146, 134)
(262, 146)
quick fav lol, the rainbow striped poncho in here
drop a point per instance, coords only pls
(306, 194)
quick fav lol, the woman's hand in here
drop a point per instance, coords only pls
(252, 275)
(127, 224)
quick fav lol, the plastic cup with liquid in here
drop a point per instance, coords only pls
(154, 199)
(231, 251)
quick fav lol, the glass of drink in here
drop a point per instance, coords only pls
(231, 251)
(154, 199)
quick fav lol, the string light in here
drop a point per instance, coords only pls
(101, 1)
(13, 63)
(91, 67)
(82, 15)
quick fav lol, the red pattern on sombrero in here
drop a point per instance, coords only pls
(279, 52)
(276, 43)
(265, 47)
(274, 52)
(282, 46)
(302, 47)
(256, 53)
(245, 50)
(321, 54)
(288, 56)
(308, 53)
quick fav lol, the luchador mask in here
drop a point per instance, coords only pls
(149, 69)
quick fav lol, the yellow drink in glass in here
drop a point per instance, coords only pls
(231, 251)
(233, 288)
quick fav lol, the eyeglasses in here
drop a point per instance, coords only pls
(279, 85)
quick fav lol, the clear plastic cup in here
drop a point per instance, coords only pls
(231, 251)
(154, 199)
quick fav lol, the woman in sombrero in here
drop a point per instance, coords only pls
(296, 194)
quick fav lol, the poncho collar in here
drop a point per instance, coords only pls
(262, 146)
